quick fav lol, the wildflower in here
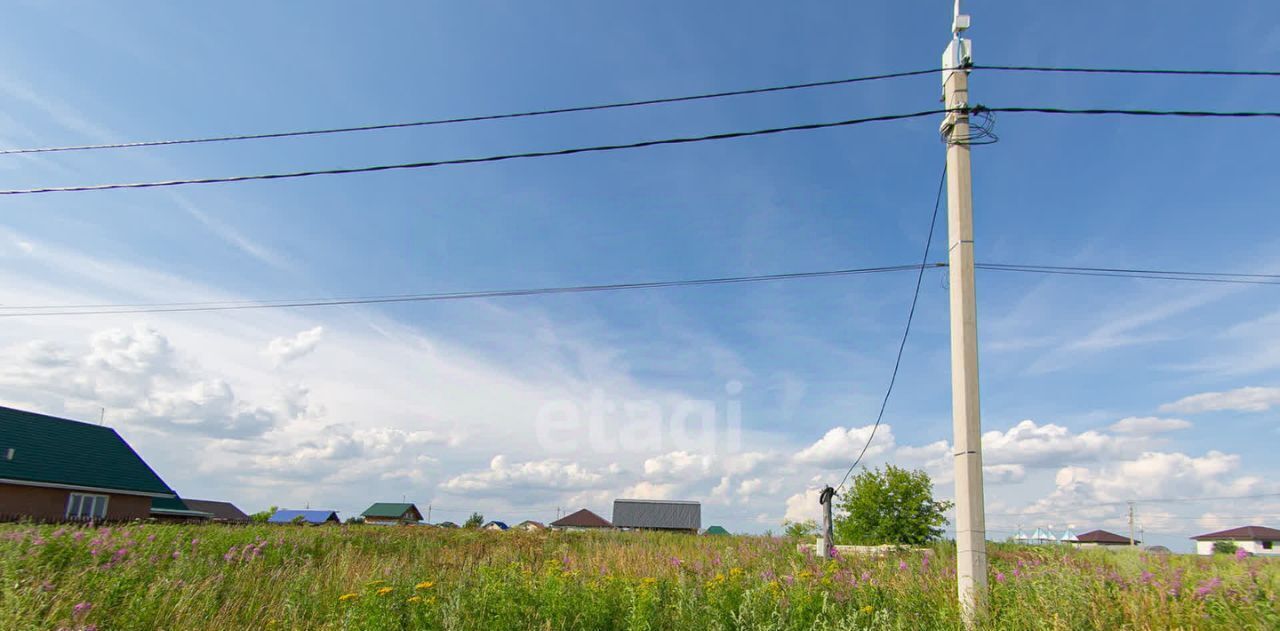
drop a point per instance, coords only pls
(151, 538)
(999, 577)
(735, 572)
(1207, 587)
(383, 591)
(81, 609)
(648, 581)
(346, 597)
(675, 562)
(46, 586)
(376, 582)
(902, 566)
(868, 609)
(1241, 554)
(1146, 577)
(176, 554)
(120, 554)
(424, 585)
(414, 599)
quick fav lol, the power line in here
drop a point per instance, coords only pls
(636, 145)
(501, 293)
(621, 105)
(1235, 279)
(262, 303)
(1129, 112)
(473, 119)
(1143, 71)
(495, 158)
(915, 297)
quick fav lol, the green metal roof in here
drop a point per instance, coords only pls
(716, 530)
(46, 449)
(389, 510)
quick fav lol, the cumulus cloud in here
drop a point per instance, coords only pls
(1031, 444)
(1251, 399)
(283, 350)
(503, 477)
(138, 376)
(802, 506)
(1148, 425)
(839, 446)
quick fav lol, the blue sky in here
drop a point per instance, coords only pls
(342, 407)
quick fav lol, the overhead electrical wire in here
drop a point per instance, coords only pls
(915, 298)
(473, 119)
(625, 104)
(1230, 279)
(494, 158)
(266, 303)
(468, 295)
(635, 145)
(1141, 71)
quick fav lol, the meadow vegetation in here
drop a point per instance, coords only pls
(153, 576)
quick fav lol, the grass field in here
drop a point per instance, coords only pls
(365, 577)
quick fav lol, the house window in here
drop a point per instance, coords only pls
(1266, 545)
(86, 506)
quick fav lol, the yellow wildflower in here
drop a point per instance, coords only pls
(424, 585)
(648, 581)
(376, 582)
(383, 591)
(415, 599)
(868, 609)
(346, 597)
(735, 572)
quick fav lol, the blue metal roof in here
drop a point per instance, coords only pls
(500, 524)
(285, 516)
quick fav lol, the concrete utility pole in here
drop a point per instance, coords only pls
(827, 540)
(971, 544)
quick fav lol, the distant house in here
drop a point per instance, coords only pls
(1095, 538)
(581, 520)
(446, 524)
(657, 515)
(222, 512)
(715, 530)
(54, 469)
(495, 525)
(1253, 539)
(529, 524)
(313, 517)
(389, 514)
(176, 509)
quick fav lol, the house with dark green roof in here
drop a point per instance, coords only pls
(390, 514)
(54, 469)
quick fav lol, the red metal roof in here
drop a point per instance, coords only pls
(1243, 533)
(1104, 537)
(581, 519)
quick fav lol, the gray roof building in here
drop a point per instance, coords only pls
(657, 515)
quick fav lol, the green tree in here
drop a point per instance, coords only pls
(474, 521)
(1225, 547)
(261, 517)
(894, 506)
(799, 529)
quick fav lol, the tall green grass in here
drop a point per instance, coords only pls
(366, 577)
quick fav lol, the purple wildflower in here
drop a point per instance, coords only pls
(902, 566)
(120, 554)
(176, 554)
(151, 538)
(1207, 587)
(999, 577)
(1146, 577)
(81, 609)
(1241, 554)
(78, 536)
(789, 579)
(866, 576)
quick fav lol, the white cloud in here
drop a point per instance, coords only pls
(504, 478)
(1030, 444)
(840, 446)
(1004, 473)
(1252, 399)
(283, 350)
(802, 506)
(1148, 425)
